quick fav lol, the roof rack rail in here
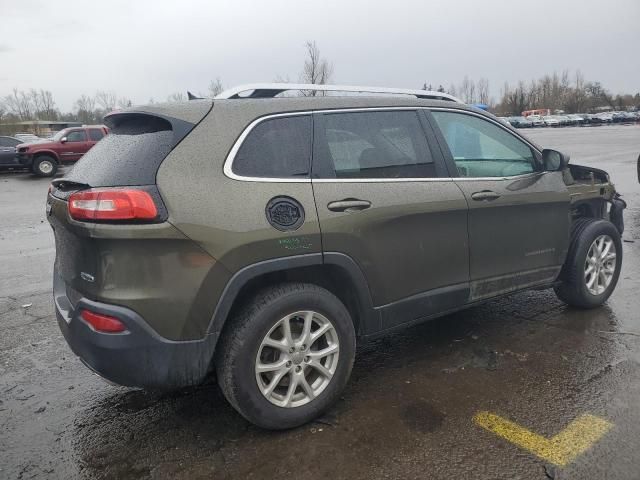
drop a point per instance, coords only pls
(270, 90)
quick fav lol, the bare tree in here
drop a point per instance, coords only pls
(20, 104)
(483, 91)
(85, 107)
(468, 90)
(48, 109)
(215, 87)
(316, 70)
(124, 102)
(176, 97)
(106, 100)
(282, 79)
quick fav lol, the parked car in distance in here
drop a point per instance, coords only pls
(520, 122)
(604, 117)
(504, 120)
(536, 120)
(28, 137)
(576, 119)
(8, 152)
(260, 238)
(551, 121)
(66, 146)
(624, 117)
(564, 120)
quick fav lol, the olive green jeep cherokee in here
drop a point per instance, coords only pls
(261, 238)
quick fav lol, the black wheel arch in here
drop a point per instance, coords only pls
(46, 153)
(334, 271)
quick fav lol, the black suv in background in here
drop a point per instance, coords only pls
(8, 152)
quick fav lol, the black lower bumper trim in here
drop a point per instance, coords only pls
(138, 357)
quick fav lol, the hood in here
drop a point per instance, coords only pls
(42, 144)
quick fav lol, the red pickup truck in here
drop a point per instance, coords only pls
(67, 146)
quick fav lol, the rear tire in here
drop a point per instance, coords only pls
(44, 166)
(292, 383)
(593, 263)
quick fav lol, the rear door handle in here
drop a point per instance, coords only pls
(485, 195)
(348, 205)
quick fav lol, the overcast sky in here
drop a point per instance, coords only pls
(144, 49)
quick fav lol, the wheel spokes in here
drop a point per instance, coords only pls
(293, 386)
(286, 331)
(271, 367)
(274, 383)
(277, 344)
(318, 354)
(321, 368)
(289, 373)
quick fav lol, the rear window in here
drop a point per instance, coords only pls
(130, 155)
(276, 148)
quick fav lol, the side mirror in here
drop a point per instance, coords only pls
(63, 140)
(553, 160)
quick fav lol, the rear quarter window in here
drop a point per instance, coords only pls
(276, 148)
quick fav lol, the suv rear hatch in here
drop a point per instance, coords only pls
(134, 259)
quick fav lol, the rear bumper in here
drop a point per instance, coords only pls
(138, 357)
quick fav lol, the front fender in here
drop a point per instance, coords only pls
(50, 153)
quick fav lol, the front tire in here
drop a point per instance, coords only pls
(45, 166)
(287, 355)
(592, 267)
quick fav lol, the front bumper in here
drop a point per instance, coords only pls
(138, 357)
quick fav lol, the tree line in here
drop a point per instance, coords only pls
(570, 93)
(557, 92)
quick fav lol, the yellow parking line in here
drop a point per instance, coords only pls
(560, 449)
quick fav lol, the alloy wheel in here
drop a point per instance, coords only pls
(600, 264)
(297, 359)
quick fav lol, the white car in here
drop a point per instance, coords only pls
(27, 137)
(550, 121)
(605, 117)
(536, 120)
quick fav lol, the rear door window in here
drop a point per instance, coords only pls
(276, 148)
(377, 144)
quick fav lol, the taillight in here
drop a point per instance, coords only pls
(102, 323)
(112, 204)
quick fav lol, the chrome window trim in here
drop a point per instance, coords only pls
(228, 163)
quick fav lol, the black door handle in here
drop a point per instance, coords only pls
(348, 205)
(485, 195)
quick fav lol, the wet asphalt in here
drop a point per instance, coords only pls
(407, 412)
